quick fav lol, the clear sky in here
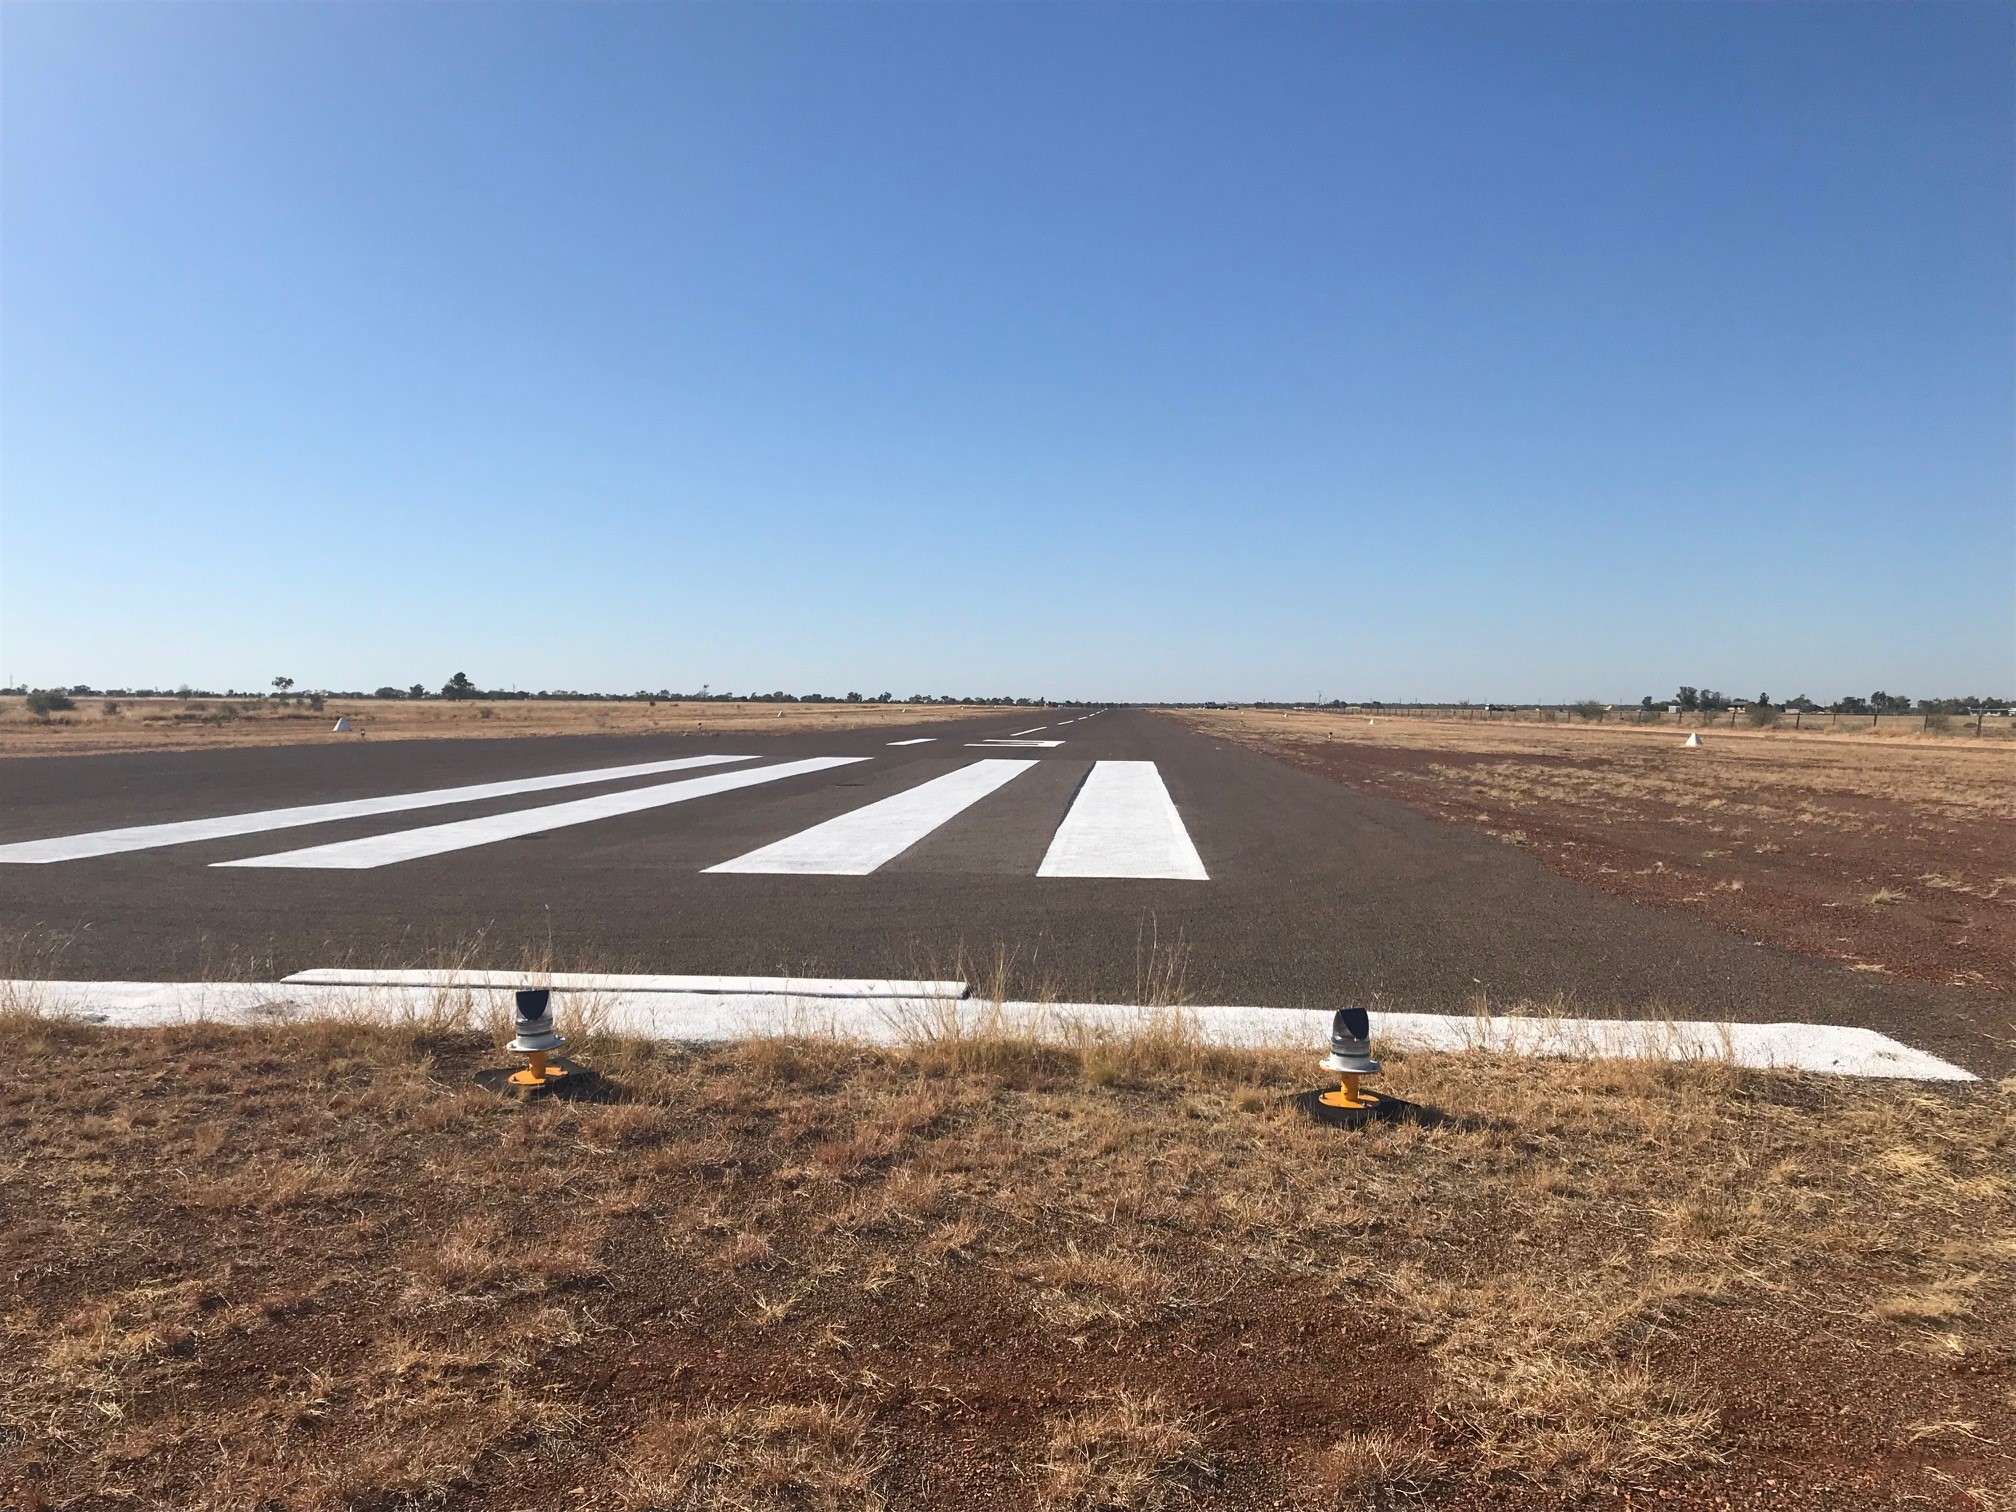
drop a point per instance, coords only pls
(1111, 351)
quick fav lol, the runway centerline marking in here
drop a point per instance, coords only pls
(920, 740)
(855, 844)
(182, 832)
(996, 745)
(434, 840)
(1028, 732)
(1123, 823)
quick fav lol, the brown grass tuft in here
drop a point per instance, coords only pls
(814, 1456)
(1124, 1452)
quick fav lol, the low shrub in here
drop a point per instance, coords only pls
(46, 701)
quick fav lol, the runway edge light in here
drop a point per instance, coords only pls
(1349, 1105)
(535, 1039)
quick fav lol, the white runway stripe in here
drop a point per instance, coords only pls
(182, 832)
(920, 740)
(1123, 824)
(434, 840)
(995, 745)
(853, 845)
(1029, 732)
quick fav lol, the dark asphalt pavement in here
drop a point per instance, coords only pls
(1317, 896)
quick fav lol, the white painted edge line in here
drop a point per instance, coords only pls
(604, 981)
(1822, 1049)
(1123, 823)
(182, 832)
(437, 839)
(1023, 745)
(919, 740)
(861, 841)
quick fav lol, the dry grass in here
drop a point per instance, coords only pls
(812, 1455)
(171, 724)
(313, 1267)
(1126, 1451)
(1830, 779)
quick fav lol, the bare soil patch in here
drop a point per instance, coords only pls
(314, 1267)
(173, 724)
(1891, 855)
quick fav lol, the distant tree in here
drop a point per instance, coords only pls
(1803, 704)
(458, 686)
(1589, 708)
(314, 701)
(1711, 700)
(853, 698)
(881, 698)
(1850, 705)
(389, 692)
(281, 685)
(46, 701)
(1763, 701)
(1689, 699)
(416, 691)
(1890, 703)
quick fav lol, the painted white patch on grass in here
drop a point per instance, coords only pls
(857, 843)
(608, 981)
(1123, 823)
(896, 1018)
(438, 839)
(186, 831)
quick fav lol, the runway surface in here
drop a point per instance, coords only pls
(1096, 855)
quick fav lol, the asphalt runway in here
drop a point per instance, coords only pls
(1095, 858)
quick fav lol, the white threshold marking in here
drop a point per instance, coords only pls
(1824, 1049)
(920, 740)
(1021, 745)
(434, 840)
(181, 832)
(1123, 824)
(855, 844)
(606, 981)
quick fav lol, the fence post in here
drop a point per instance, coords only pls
(1977, 720)
(1797, 715)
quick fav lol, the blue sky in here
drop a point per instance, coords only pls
(1130, 351)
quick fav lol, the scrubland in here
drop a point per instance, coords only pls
(170, 724)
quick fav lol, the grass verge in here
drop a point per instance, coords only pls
(314, 1267)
